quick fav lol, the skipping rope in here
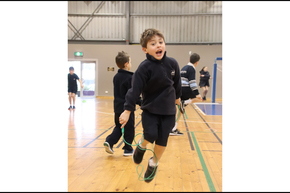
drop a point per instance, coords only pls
(139, 174)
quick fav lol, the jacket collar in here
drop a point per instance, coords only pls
(151, 58)
(190, 64)
(124, 71)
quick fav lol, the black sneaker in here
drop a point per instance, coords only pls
(181, 107)
(150, 172)
(128, 152)
(138, 155)
(204, 98)
(70, 107)
(176, 132)
(108, 148)
(74, 107)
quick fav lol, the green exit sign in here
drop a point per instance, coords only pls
(79, 54)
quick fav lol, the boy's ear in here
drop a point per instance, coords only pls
(144, 50)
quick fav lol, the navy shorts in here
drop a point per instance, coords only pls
(73, 90)
(156, 128)
(187, 93)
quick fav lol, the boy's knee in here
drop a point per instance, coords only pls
(151, 137)
(69, 94)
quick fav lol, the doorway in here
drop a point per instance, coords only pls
(86, 71)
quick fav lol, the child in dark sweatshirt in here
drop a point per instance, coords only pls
(158, 79)
(204, 81)
(122, 83)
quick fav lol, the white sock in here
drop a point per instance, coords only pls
(151, 163)
(187, 101)
(175, 127)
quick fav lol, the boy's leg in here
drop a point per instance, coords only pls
(192, 97)
(114, 137)
(166, 123)
(150, 127)
(205, 92)
(69, 99)
(194, 100)
(187, 96)
(174, 130)
(184, 101)
(150, 132)
(74, 98)
(144, 144)
(158, 150)
(129, 132)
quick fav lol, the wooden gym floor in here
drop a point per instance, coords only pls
(191, 162)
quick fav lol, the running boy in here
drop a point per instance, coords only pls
(204, 81)
(122, 82)
(190, 92)
(158, 79)
(72, 87)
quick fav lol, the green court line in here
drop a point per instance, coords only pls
(205, 170)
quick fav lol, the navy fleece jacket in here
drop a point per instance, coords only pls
(159, 83)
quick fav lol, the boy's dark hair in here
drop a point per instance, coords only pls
(148, 34)
(194, 58)
(121, 59)
(71, 68)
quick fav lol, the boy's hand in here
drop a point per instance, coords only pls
(82, 86)
(202, 75)
(124, 117)
(177, 101)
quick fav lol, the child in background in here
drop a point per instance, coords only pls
(190, 92)
(122, 83)
(204, 81)
(72, 87)
(158, 79)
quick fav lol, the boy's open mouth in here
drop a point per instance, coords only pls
(158, 53)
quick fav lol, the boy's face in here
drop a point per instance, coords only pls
(155, 47)
(71, 72)
(205, 69)
(128, 64)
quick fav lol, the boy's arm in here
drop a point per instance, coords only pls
(138, 83)
(207, 75)
(77, 77)
(177, 81)
(192, 81)
(81, 83)
(128, 86)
